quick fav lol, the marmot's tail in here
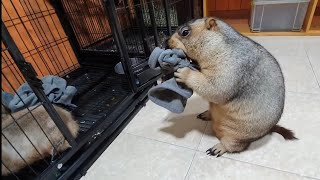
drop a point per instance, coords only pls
(286, 133)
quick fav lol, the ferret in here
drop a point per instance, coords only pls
(241, 80)
(13, 139)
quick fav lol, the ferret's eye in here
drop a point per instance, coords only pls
(185, 31)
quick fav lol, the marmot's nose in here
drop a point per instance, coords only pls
(165, 44)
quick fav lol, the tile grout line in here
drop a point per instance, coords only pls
(204, 131)
(279, 170)
(194, 155)
(294, 92)
(155, 140)
(196, 150)
(314, 73)
(159, 141)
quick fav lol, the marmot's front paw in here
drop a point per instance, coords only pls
(182, 74)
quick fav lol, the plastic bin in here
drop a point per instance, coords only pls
(278, 15)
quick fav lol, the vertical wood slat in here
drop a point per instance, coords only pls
(88, 20)
(309, 15)
(205, 6)
(213, 5)
(38, 33)
(228, 9)
(222, 5)
(11, 77)
(234, 4)
(245, 4)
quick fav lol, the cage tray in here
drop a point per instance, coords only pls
(99, 92)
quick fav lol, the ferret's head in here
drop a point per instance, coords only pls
(197, 37)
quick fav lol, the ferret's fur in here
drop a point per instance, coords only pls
(241, 80)
(12, 133)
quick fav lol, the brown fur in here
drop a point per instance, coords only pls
(4, 111)
(241, 80)
(287, 134)
(12, 133)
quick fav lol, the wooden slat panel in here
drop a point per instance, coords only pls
(234, 14)
(317, 11)
(11, 78)
(218, 5)
(309, 15)
(222, 5)
(234, 4)
(88, 20)
(246, 4)
(38, 33)
(211, 5)
(234, 9)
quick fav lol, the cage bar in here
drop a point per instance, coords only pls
(81, 41)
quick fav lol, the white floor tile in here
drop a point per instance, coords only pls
(184, 129)
(291, 54)
(311, 41)
(139, 152)
(298, 74)
(302, 115)
(282, 45)
(208, 168)
(134, 158)
(313, 53)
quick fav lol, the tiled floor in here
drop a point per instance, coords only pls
(160, 145)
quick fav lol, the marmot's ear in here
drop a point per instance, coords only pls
(211, 24)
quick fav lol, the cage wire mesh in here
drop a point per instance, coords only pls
(29, 142)
(27, 134)
(92, 30)
(88, 20)
(37, 32)
(40, 37)
(130, 29)
(29, 137)
(160, 15)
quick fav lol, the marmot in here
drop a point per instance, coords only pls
(13, 136)
(241, 80)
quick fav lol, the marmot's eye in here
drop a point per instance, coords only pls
(185, 31)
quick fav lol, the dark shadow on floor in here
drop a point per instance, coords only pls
(182, 125)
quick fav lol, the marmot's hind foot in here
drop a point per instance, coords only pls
(217, 149)
(205, 116)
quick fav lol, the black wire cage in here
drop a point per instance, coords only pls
(81, 42)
